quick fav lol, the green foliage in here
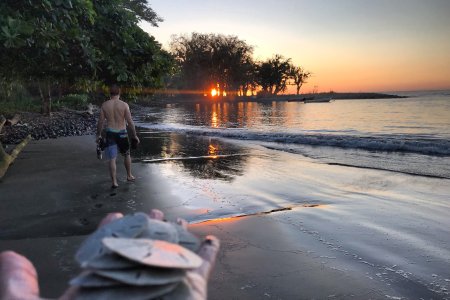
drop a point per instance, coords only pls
(14, 31)
(55, 43)
(15, 98)
(74, 101)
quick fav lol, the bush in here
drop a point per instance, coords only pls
(14, 98)
(73, 101)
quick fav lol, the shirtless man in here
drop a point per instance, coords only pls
(117, 115)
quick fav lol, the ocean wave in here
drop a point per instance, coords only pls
(387, 143)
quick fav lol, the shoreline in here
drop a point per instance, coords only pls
(48, 208)
(72, 123)
(180, 98)
(71, 193)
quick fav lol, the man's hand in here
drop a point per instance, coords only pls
(19, 281)
(18, 277)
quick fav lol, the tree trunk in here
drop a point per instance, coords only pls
(46, 98)
(299, 85)
(7, 159)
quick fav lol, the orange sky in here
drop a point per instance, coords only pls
(348, 45)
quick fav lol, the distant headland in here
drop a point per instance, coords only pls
(306, 98)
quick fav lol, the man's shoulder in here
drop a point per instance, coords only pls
(123, 103)
(106, 102)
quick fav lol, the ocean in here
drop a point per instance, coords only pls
(366, 182)
(408, 135)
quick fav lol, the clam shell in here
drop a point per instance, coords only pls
(129, 226)
(154, 253)
(144, 275)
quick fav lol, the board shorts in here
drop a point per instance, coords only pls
(116, 142)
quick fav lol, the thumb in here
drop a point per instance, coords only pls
(208, 252)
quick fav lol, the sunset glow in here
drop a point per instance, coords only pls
(352, 46)
(213, 92)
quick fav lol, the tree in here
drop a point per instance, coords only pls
(53, 42)
(208, 60)
(44, 41)
(273, 74)
(299, 75)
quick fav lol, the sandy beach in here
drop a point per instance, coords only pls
(57, 191)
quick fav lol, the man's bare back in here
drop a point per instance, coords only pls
(117, 114)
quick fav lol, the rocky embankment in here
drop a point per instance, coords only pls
(59, 124)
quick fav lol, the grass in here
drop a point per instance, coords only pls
(9, 108)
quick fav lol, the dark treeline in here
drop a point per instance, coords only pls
(225, 63)
(53, 48)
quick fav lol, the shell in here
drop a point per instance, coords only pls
(187, 239)
(154, 253)
(89, 279)
(160, 230)
(109, 260)
(125, 292)
(144, 275)
(129, 226)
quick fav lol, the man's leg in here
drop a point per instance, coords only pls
(127, 161)
(112, 172)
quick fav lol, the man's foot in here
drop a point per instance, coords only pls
(114, 186)
(131, 178)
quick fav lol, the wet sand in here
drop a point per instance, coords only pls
(57, 191)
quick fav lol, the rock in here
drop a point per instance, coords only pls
(61, 123)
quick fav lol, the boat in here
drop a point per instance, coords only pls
(311, 100)
(300, 99)
(320, 100)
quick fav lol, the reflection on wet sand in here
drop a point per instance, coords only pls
(202, 157)
(206, 217)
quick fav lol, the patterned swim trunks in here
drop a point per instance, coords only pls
(116, 141)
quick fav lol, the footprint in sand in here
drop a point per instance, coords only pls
(83, 221)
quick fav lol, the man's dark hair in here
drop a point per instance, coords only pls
(114, 90)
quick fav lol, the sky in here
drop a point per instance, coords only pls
(347, 45)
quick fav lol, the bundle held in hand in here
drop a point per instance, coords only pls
(136, 257)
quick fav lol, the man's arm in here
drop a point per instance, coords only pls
(130, 122)
(101, 120)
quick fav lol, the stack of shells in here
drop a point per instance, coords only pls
(137, 257)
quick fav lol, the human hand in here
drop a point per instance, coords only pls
(135, 142)
(19, 281)
(18, 277)
(196, 281)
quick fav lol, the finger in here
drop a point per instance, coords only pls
(109, 218)
(182, 222)
(69, 294)
(208, 251)
(18, 277)
(157, 214)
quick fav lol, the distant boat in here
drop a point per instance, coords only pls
(323, 100)
(310, 100)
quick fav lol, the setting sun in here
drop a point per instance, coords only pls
(213, 92)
